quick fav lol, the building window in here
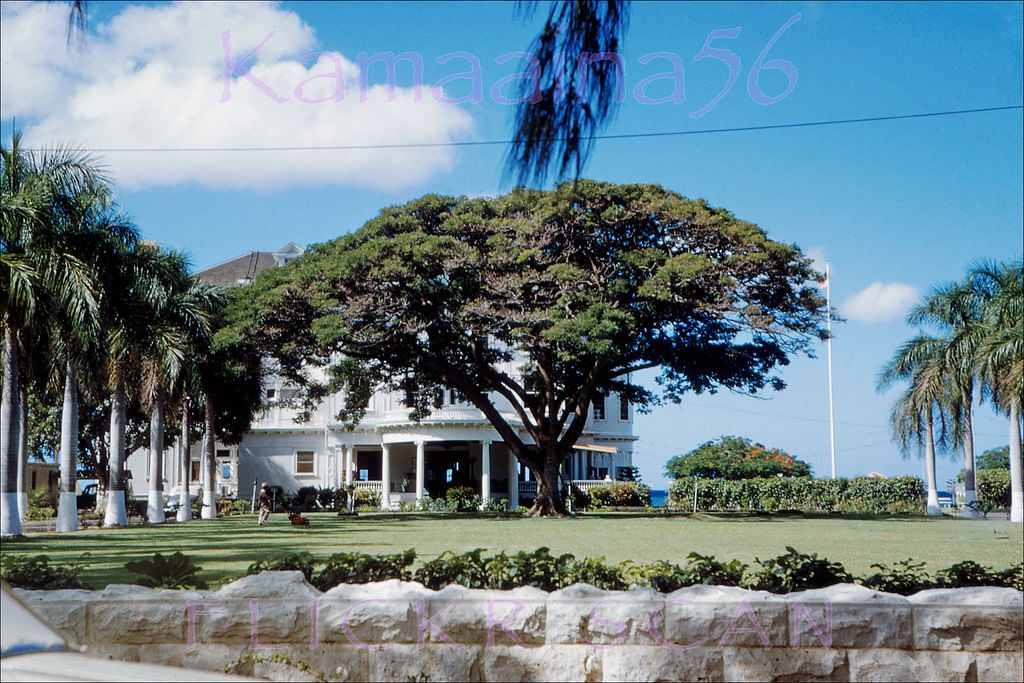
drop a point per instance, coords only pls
(194, 471)
(271, 394)
(623, 408)
(225, 471)
(304, 462)
(599, 407)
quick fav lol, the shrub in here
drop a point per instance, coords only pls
(896, 495)
(734, 457)
(366, 499)
(302, 561)
(994, 488)
(36, 573)
(539, 569)
(904, 577)
(462, 499)
(594, 571)
(970, 573)
(707, 570)
(362, 568)
(39, 505)
(175, 571)
(620, 494)
(662, 576)
(226, 507)
(305, 498)
(496, 505)
(796, 571)
(462, 569)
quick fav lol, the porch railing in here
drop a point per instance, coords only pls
(375, 486)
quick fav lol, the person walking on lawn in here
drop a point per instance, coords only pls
(264, 503)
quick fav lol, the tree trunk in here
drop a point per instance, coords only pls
(1016, 466)
(185, 495)
(10, 426)
(970, 487)
(155, 503)
(116, 503)
(550, 500)
(209, 461)
(23, 457)
(67, 507)
(929, 462)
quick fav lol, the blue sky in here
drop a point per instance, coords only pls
(896, 206)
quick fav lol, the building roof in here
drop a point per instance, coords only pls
(242, 270)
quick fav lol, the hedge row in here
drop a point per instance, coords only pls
(896, 495)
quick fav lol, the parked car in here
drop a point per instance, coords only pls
(87, 498)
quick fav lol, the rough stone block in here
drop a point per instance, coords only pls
(64, 610)
(374, 615)
(785, 664)
(710, 616)
(427, 663)
(480, 617)
(283, 584)
(133, 614)
(547, 663)
(849, 616)
(584, 615)
(978, 619)
(261, 623)
(627, 663)
(879, 664)
(1000, 666)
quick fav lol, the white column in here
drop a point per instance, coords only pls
(385, 475)
(485, 472)
(347, 454)
(513, 481)
(421, 456)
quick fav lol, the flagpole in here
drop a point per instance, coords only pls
(828, 343)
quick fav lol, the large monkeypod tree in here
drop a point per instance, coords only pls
(532, 304)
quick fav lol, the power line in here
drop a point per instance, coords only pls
(590, 138)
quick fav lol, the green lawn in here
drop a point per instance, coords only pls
(225, 547)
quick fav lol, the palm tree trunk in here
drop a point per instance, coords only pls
(1016, 466)
(23, 458)
(116, 510)
(970, 487)
(67, 507)
(10, 426)
(185, 497)
(209, 480)
(929, 462)
(155, 505)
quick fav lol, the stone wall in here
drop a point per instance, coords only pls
(276, 625)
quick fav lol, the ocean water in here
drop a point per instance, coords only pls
(658, 497)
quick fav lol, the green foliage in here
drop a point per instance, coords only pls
(39, 505)
(735, 457)
(226, 507)
(451, 568)
(586, 281)
(896, 495)
(462, 499)
(662, 576)
(364, 498)
(496, 505)
(970, 573)
(993, 488)
(994, 459)
(905, 577)
(795, 571)
(301, 561)
(174, 571)
(363, 568)
(594, 571)
(620, 494)
(36, 573)
(709, 571)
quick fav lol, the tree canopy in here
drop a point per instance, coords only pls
(735, 457)
(532, 303)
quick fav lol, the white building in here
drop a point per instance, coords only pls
(387, 452)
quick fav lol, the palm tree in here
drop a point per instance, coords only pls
(954, 310)
(928, 397)
(32, 268)
(999, 359)
(179, 323)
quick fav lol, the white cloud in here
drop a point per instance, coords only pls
(154, 77)
(880, 302)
